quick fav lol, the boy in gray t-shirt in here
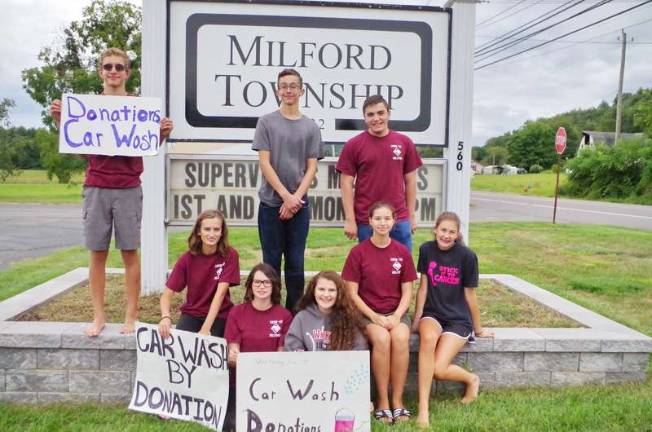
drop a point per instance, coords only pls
(289, 145)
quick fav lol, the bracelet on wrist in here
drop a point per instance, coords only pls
(162, 318)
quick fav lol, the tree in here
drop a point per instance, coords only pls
(5, 104)
(8, 152)
(495, 155)
(69, 66)
(643, 112)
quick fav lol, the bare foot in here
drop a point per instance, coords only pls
(94, 329)
(472, 388)
(423, 421)
(129, 327)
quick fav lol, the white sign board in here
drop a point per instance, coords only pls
(231, 185)
(110, 125)
(303, 391)
(224, 58)
(184, 377)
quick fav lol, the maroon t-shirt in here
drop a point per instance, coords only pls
(257, 331)
(201, 274)
(379, 166)
(379, 273)
(113, 172)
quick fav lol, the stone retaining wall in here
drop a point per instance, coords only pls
(45, 362)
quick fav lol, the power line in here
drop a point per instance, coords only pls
(499, 13)
(586, 41)
(509, 15)
(564, 35)
(539, 19)
(495, 50)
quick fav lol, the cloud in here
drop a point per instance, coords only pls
(560, 76)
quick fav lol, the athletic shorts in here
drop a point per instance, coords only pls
(193, 324)
(458, 328)
(405, 319)
(105, 209)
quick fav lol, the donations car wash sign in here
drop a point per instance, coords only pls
(184, 377)
(303, 391)
(224, 58)
(110, 125)
(199, 183)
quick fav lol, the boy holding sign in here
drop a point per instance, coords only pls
(113, 199)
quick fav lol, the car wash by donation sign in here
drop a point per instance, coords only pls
(224, 59)
(231, 185)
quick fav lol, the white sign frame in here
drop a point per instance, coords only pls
(164, 376)
(156, 58)
(110, 125)
(208, 39)
(309, 388)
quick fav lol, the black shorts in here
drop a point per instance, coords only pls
(193, 324)
(458, 328)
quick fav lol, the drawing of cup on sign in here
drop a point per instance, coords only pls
(344, 420)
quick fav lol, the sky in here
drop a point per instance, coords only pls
(578, 71)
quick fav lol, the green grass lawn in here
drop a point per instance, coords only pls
(33, 186)
(606, 269)
(542, 184)
(580, 409)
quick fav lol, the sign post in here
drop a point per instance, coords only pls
(560, 146)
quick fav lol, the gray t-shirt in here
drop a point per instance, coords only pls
(290, 143)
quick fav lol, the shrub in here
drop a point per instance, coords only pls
(535, 169)
(623, 171)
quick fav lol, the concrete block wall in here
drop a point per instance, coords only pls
(47, 362)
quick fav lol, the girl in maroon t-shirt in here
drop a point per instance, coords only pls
(260, 323)
(207, 270)
(379, 273)
(446, 313)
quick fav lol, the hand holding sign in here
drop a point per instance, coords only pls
(110, 125)
(184, 376)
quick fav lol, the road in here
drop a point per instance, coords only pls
(31, 230)
(492, 206)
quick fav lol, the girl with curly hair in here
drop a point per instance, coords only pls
(327, 320)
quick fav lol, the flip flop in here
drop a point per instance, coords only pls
(382, 414)
(401, 412)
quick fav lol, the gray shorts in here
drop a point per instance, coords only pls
(107, 208)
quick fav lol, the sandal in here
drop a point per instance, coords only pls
(401, 412)
(382, 414)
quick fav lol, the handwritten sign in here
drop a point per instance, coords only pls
(303, 391)
(184, 377)
(110, 125)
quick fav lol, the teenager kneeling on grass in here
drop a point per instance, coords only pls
(379, 273)
(327, 320)
(446, 313)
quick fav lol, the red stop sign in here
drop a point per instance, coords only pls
(560, 140)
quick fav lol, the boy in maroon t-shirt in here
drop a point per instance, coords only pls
(113, 200)
(383, 165)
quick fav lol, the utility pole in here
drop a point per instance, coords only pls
(619, 103)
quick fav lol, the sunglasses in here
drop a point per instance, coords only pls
(110, 66)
